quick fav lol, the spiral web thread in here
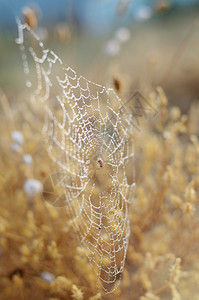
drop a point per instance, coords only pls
(87, 136)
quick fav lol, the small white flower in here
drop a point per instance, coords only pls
(123, 34)
(27, 159)
(167, 135)
(143, 13)
(18, 137)
(33, 187)
(112, 47)
(47, 276)
(16, 147)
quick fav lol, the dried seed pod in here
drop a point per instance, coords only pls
(29, 17)
(118, 85)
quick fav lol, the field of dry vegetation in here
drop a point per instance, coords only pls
(40, 257)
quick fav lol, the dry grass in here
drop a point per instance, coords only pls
(162, 260)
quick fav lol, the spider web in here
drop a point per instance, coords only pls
(88, 141)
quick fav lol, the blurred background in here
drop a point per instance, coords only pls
(143, 43)
(130, 45)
